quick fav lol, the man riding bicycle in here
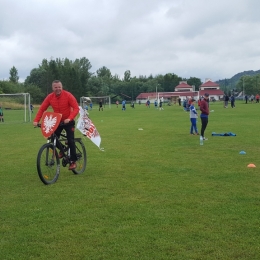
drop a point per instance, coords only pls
(62, 102)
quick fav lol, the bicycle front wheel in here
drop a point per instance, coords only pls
(81, 157)
(48, 164)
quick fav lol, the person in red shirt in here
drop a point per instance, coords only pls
(257, 98)
(204, 108)
(65, 103)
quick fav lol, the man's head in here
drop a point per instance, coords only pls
(206, 96)
(57, 87)
(193, 100)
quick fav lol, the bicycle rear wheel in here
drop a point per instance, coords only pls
(48, 166)
(81, 157)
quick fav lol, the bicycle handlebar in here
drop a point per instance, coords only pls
(61, 124)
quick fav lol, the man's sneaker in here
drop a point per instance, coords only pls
(72, 166)
(205, 139)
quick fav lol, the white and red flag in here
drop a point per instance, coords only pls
(87, 128)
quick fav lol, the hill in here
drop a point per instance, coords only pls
(232, 82)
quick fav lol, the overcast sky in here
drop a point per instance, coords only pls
(191, 38)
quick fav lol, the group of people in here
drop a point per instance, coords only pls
(147, 104)
(204, 108)
(156, 104)
(65, 103)
(124, 104)
(89, 106)
(186, 104)
(251, 98)
(231, 99)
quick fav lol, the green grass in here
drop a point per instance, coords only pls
(153, 194)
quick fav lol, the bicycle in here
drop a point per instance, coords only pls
(48, 161)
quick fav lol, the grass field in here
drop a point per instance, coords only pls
(152, 194)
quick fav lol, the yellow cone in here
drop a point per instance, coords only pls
(251, 165)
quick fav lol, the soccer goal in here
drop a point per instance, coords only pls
(16, 107)
(106, 101)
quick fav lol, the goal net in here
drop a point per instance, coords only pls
(106, 101)
(16, 107)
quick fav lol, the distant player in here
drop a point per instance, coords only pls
(86, 104)
(123, 105)
(100, 105)
(1, 114)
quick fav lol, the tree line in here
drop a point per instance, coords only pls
(76, 77)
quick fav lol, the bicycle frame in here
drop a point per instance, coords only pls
(48, 159)
(55, 140)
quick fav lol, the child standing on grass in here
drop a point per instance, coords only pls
(193, 118)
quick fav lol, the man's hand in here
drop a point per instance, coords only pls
(66, 121)
(35, 123)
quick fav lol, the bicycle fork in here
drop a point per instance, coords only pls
(51, 155)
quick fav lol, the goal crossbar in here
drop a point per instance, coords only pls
(96, 97)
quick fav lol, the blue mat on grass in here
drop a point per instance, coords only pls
(223, 134)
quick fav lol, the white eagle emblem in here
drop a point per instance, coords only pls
(49, 123)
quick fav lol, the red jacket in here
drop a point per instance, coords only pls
(204, 107)
(65, 104)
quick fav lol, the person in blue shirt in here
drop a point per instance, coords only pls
(184, 104)
(123, 105)
(232, 101)
(193, 118)
(155, 104)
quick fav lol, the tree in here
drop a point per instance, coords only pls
(170, 81)
(37, 95)
(38, 78)
(127, 75)
(74, 75)
(8, 87)
(194, 81)
(104, 72)
(249, 84)
(14, 75)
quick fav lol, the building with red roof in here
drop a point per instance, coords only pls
(212, 89)
(183, 86)
(184, 91)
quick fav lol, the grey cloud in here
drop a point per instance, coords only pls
(202, 38)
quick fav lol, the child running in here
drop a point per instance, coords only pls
(193, 118)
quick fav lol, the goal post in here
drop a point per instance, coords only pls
(17, 102)
(106, 100)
